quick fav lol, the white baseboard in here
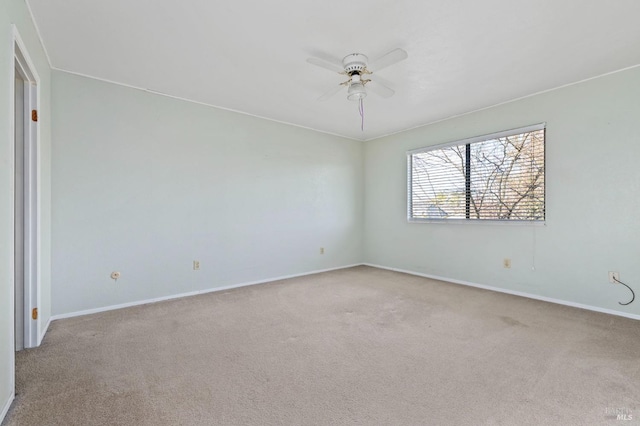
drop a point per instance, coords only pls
(44, 331)
(6, 407)
(435, 277)
(191, 293)
(512, 292)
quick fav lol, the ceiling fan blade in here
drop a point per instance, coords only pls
(380, 89)
(331, 66)
(388, 59)
(329, 93)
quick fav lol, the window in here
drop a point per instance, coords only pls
(496, 177)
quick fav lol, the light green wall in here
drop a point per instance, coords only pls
(144, 184)
(15, 12)
(592, 203)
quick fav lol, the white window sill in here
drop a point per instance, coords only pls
(479, 222)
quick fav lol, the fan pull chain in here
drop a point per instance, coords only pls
(361, 115)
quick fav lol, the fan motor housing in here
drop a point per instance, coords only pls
(355, 63)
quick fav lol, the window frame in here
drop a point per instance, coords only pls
(468, 141)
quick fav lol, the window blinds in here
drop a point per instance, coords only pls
(494, 177)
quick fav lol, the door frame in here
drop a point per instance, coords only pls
(32, 188)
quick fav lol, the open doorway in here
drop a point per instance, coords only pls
(25, 83)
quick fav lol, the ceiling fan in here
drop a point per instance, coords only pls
(359, 70)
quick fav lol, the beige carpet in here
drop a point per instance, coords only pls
(356, 346)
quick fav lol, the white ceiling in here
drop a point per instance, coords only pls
(250, 56)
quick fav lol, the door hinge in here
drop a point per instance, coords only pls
(34, 115)
(34, 313)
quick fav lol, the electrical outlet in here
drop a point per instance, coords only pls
(321, 250)
(196, 265)
(115, 275)
(506, 263)
(613, 276)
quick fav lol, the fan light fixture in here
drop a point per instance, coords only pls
(355, 67)
(356, 92)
